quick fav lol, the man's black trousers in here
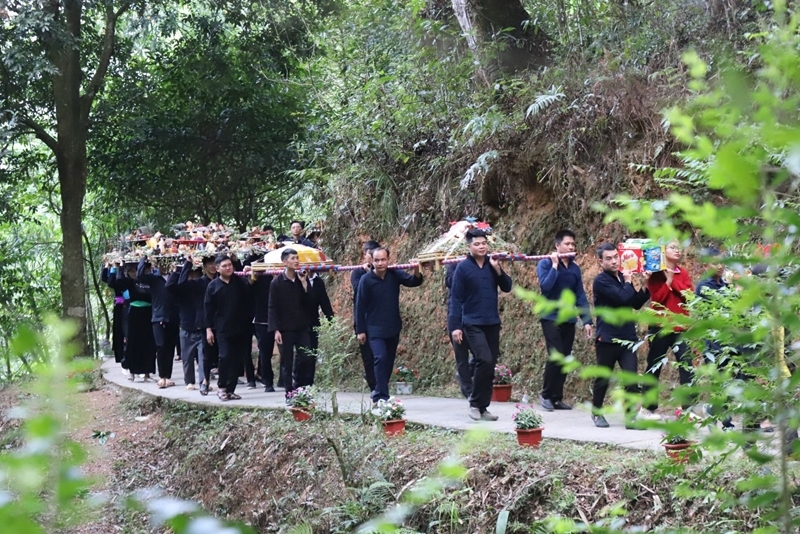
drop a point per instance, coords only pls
(484, 341)
(557, 338)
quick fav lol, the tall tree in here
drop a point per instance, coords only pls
(505, 24)
(201, 123)
(56, 54)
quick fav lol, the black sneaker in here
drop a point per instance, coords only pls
(547, 404)
(269, 389)
(251, 385)
(559, 405)
(288, 401)
(599, 421)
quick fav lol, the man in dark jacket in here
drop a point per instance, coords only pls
(557, 275)
(614, 289)
(296, 228)
(259, 289)
(190, 313)
(194, 291)
(378, 316)
(164, 320)
(464, 366)
(474, 315)
(367, 358)
(288, 319)
(228, 323)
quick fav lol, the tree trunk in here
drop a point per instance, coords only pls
(504, 24)
(71, 161)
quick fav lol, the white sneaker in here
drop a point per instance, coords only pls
(190, 387)
(647, 415)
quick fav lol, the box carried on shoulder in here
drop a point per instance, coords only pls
(640, 255)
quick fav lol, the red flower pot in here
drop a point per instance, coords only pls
(394, 427)
(299, 414)
(680, 453)
(529, 437)
(501, 392)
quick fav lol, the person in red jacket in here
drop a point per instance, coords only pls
(666, 296)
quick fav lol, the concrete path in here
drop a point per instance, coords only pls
(573, 425)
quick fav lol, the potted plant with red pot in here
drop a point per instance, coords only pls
(529, 426)
(501, 387)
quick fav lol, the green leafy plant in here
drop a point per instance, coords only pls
(527, 418)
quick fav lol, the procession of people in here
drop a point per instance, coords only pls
(207, 312)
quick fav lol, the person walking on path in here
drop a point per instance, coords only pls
(666, 295)
(192, 320)
(228, 321)
(614, 289)
(378, 319)
(118, 329)
(367, 358)
(140, 347)
(164, 320)
(464, 366)
(195, 291)
(475, 317)
(557, 275)
(288, 319)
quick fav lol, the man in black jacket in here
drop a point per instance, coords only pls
(464, 366)
(227, 312)
(259, 289)
(378, 316)
(164, 320)
(474, 315)
(614, 289)
(289, 321)
(195, 292)
(296, 228)
(192, 320)
(367, 358)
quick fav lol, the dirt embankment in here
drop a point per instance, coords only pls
(263, 468)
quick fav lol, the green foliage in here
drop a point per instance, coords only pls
(44, 487)
(201, 122)
(733, 131)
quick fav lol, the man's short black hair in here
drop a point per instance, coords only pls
(221, 258)
(268, 228)
(287, 252)
(301, 223)
(472, 233)
(561, 234)
(371, 245)
(711, 252)
(208, 259)
(385, 249)
(605, 247)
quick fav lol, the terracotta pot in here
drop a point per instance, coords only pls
(529, 437)
(300, 414)
(680, 453)
(501, 392)
(394, 427)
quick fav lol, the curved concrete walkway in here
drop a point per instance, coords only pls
(574, 425)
